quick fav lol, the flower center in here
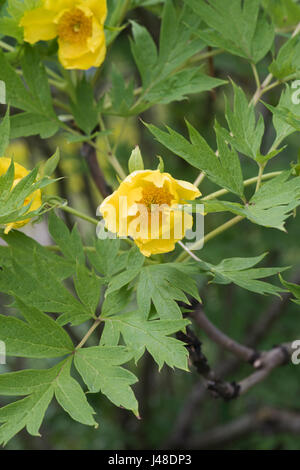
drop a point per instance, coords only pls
(155, 195)
(75, 26)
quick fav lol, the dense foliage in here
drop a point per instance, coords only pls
(91, 326)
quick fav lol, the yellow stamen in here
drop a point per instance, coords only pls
(75, 26)
(154, 195)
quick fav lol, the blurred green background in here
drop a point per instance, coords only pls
(170, 399)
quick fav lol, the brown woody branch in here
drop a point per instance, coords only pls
(268, 361)
(264, 364)
(267, 420)
(242, 352)
(90, 155)
(196, 397)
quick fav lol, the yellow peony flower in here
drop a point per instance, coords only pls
(146, 207)
(35, 198)
(79, 26)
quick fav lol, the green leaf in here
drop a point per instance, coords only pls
(144, 52)
(106, 259)
(198, 154)
(27, 124)
(23, 248)
(69, 242)
(287, 61)
(286, 115)
(37, 80)
(121, 94)
(12, 208)
(270, 206)
(39, 385)
(51, 164)
(71, 398)
(152, 335)
(49, 293)
(240, 271)
(80, 138)
(84, 109)
(16, 8)
(135, 261)
(88, 287)
(245, 132)
(230, 162)
(27, 412)
(118, 294)
(284, 13)
(31, 264)
(177, 42)
(164, 285)
(115, 302)
(183, 83)
(28, 381)
(17, 95)
(9, 27)
(39, 337)
(35, 98)
(101, 371)
(238, 26)
(164, 73)
(293, 288)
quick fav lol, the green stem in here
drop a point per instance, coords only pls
(256, 76)
(56, 248)
(207, 55)
(7, 47)
(214, 233)
(88, 334)
(223, 228)
(60, 104)
(259, 92)
(79, 214)
(199, 179)
(121, 15)
(259, 177)
(93, 221)
(247, 182)
(112, 157)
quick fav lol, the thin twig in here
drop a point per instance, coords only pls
(90, 155)
(266, 420)
(88, 334)
(242, 352)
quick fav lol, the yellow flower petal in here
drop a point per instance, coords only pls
(20, 171)
(99, 8)
(38, 25)
(155, 247)
(186, 191)
(151, 214)
(79, 25)
(57, 6)
(83, 56)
